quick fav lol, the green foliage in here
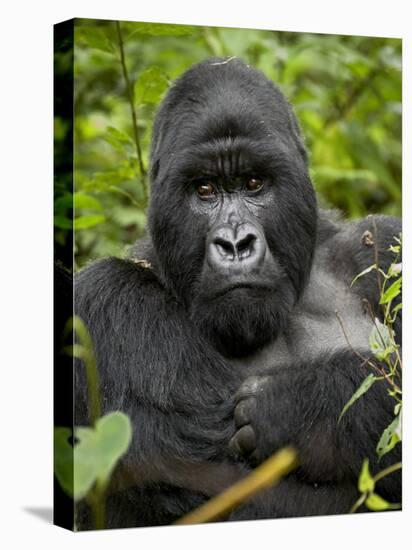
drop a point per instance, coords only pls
(346, 91)
(366, 482)
(390, 436)
(93, 457)
(381, 341)
(363, 388)
(366, 486)
(84, 468)
(377, 504)
(385, 349)
(150, 86)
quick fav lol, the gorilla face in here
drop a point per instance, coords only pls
(233, 212)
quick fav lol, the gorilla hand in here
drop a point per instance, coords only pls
(263, 417)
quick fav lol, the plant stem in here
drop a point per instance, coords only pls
(97, 505)
(387, 471)
(365, 360)
(265, 475)
(130, 96)
(358, 503)
(85, 351)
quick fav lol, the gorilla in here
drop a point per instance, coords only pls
(232, 329)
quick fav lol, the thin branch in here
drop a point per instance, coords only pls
(376, 254)
(130, 96)
(365, 360)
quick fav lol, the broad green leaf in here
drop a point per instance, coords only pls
(389, 438)
(85, 222)
(364, 272)
(363, 388)
(63, 459)
(376, 503)
(391, 292)
(98, 451)
(365, 482)
(81, 200)
(150, 86)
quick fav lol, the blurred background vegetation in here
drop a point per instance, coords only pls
(346, 91)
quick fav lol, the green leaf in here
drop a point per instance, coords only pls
(389, 438)
(62, 222)
(395, 270)
(85, 222)
(119, 140)
(121, 137)
(391, 292)
(63, 203)
(63, 459)
(95, 455)
(363, 388)
(362, 273)
(150, 86)
(98, 451)
(95, 37)
(366, 482)
(160, 29)
(397, 308)
(376, 503)
(83, 201)
(380, 341)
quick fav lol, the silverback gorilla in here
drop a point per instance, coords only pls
(226, 344)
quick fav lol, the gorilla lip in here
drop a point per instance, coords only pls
(241, 286)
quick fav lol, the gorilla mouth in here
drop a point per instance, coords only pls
(244, 286)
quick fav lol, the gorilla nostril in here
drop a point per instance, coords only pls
(245, 246)
(224, 247)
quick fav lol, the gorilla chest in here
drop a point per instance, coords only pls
(328, 319)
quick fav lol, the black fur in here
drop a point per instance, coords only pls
(193, 360)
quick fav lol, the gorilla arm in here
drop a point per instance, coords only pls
(177, 391)
(300, 403)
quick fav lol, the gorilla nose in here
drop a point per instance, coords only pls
(241, 246)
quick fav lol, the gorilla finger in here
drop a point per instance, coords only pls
(251, 386)
(244, 441)
(244, 412)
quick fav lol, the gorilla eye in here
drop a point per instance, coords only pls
(254, 184)
(205, 190)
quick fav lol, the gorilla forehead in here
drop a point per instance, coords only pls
(216, 100)
(234, 156)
